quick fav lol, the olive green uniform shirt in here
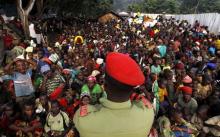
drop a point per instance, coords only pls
(127, 119)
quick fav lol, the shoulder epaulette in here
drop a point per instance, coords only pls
(86, 109)
(83, 110)
(146, 102)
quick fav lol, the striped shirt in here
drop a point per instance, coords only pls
(53, 83)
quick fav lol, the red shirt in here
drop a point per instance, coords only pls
(8, 39)
(151, 33)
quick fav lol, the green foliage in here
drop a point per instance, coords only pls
(81, 8)
(176, 6)
(135, 7)
(155, 6)
(206, 6)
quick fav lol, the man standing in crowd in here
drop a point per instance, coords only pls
(23, 87)
(117, 115)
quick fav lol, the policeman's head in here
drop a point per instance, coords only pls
(116, 88)
(122, 75)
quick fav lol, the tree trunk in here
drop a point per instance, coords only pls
(24, 13)
(25, 24)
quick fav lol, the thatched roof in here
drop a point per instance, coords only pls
(109, 16)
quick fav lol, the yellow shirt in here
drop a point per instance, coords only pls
(162, 94)
(127, 119)
(202, 91)
(217, 44)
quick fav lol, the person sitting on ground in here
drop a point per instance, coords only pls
(7, 117)
(57, 121)
(43, 106)
(163, 95)
(185, 100)
(180, 127)
(23, 87)
(28, 124)
(198, 119)
(85, 98)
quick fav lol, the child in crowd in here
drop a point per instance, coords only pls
(57, 121)
(28, 124)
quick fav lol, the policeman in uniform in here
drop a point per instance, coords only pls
(117, 116)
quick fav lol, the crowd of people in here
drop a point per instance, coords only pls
(43, 85)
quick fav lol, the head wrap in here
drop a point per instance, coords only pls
(95, 73)
(187, 80)
(211, 65)
(179, 66)
(21, 57)
(91, 78)
(83, 94)
(29, 49)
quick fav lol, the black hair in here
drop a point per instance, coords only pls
(174, 112)
(28, 103)
(214, 110)
(43, 94)
(161, 81)
(116, 84)
(55, 102)
(33, 116)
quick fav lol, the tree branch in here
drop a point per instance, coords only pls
(19, 3)
(197, 7)
(19, 7)
(30, 6)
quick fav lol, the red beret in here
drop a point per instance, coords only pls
(124, 69)
(186, 90)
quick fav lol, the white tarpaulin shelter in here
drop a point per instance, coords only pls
(212, 20)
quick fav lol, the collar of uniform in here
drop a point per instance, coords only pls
(113, 105)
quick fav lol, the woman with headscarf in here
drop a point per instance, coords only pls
(93, 88)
